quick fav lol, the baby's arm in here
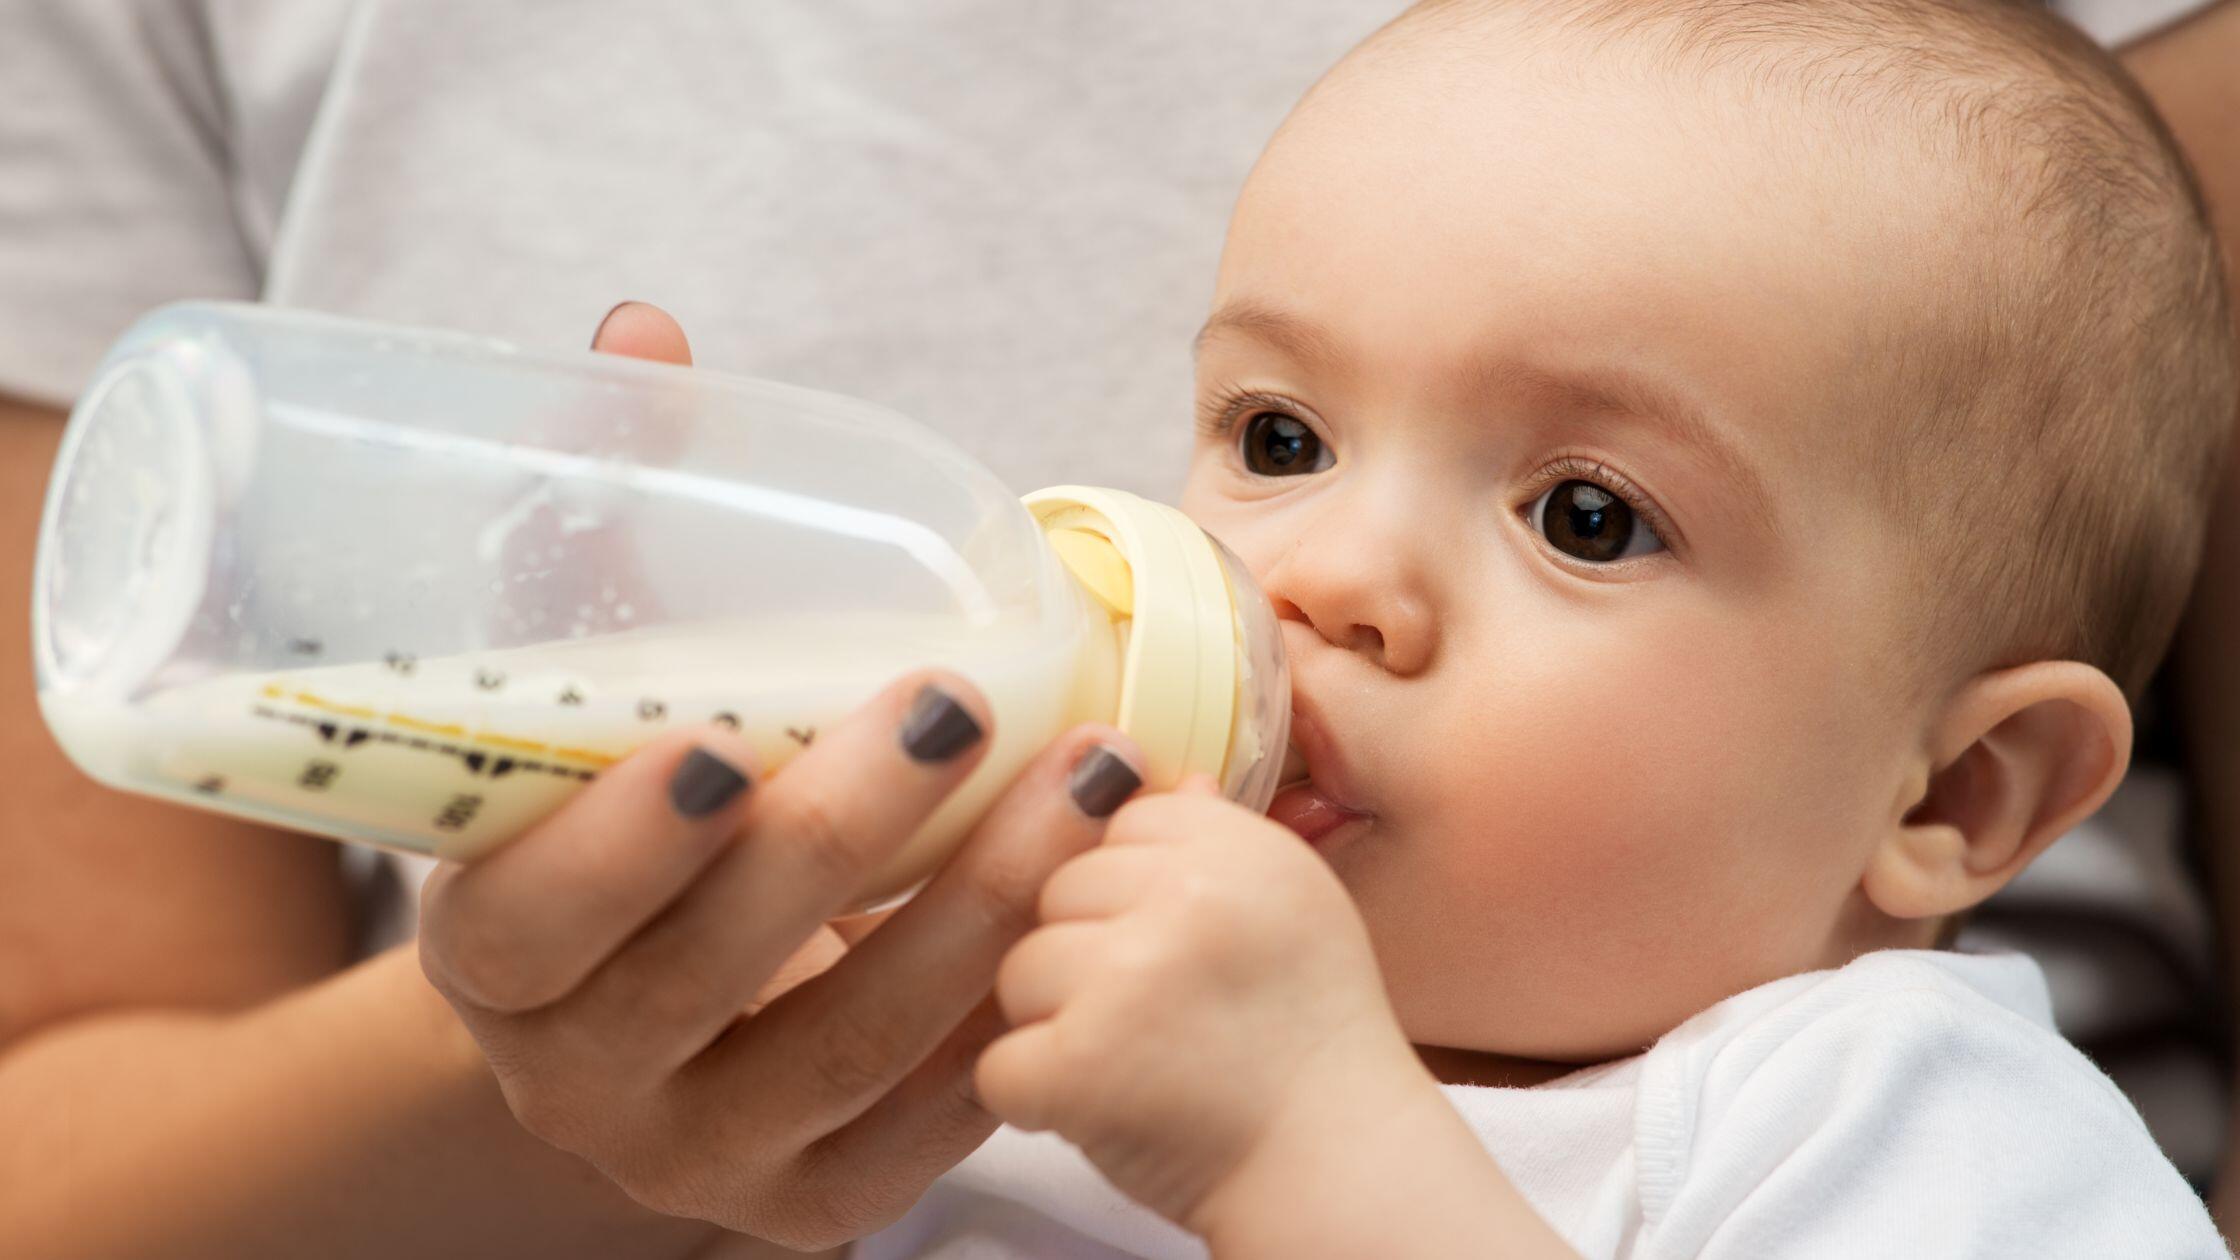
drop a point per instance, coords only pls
(184, 1067)
(1360, 1174)
(1201, 1014)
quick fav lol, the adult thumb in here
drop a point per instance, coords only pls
(641, 330)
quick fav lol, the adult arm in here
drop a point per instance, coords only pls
(188, 1067)
(186, 1072)
(2193, 73)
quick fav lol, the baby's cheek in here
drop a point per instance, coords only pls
(1604, 848)
(1598, 767)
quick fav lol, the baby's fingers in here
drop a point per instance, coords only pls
(933, 961)
(1103, 882)
(1021, 1077)
(1047, 968)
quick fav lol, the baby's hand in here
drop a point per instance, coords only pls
(1200, 986)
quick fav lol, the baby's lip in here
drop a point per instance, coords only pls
(1314, 755)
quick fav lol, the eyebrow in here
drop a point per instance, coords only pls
(1606, 389)
(1296, 337)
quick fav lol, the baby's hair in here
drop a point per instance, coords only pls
(2060, 406)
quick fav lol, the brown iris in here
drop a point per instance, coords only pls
(1277, 445)
(1582, 519)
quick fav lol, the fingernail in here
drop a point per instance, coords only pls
(938, 728)
(608, 316)
(704, 784)
(1101, 782)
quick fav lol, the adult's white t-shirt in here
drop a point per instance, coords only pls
(1000, 217)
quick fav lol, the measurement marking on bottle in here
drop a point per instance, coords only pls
(318, 776)
(476, 761)
(210, 784)
(306, 698)
(452, 729)
(802, 737)
(350, 737)
(459, 812)
(489, 679)
(652, 710)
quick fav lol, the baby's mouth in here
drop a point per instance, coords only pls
(1307, 808)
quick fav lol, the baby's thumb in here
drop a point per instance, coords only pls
(1198, 785)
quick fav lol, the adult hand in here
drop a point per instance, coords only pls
(652, 976)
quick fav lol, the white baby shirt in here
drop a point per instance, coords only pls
(1912, 1104)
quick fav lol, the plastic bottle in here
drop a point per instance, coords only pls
(415, 588)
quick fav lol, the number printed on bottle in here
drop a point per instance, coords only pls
(459, 812)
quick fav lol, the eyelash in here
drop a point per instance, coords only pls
(1218, 418)
(1581, 468)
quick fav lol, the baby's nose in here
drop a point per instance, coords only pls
(1366, 611)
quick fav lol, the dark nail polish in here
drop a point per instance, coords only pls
(938, 728)
(1101, 782)
(704, 784)
(608, 316)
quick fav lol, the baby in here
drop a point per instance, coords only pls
(1722, 468)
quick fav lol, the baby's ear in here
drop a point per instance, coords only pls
(2017, 757)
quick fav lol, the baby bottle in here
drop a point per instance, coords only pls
(415, 588)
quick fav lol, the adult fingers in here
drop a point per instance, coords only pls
(851, 1034)
(916, 1131)
(641, 330)
(809, 839)
(525, 924)
(1167, 817)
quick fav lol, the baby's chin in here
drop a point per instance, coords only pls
(1521, 1003)
(1518, 1056)
(1493, 1070)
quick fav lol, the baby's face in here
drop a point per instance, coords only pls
(1536, 404)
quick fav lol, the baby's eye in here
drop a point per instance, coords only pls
(1580, 518)
(1276, 445)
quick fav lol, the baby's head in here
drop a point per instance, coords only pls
(1722, 465)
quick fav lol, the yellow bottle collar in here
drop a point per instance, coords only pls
(1150, 566)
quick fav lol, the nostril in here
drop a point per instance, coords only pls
(1368, 639)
